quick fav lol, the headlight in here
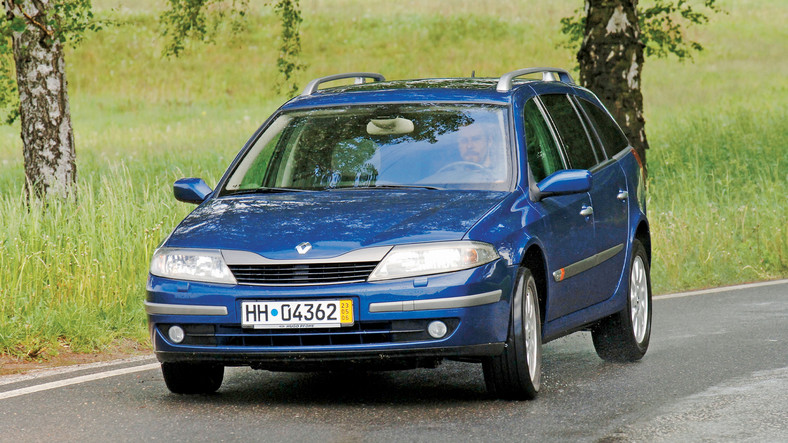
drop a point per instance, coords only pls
(191, 264)
(432, 258)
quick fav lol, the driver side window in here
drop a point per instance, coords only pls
(543, 155)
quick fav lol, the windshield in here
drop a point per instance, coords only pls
(425, 146)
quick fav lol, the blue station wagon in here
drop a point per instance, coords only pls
(394, 224)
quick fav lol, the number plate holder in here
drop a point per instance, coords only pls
(297, 314)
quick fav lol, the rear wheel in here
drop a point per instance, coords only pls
(624, 336)
(517, 373)
(192, 378)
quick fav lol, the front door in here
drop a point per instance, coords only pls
(567, 234)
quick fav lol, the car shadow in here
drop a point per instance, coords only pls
(566, 361)
(452, 381)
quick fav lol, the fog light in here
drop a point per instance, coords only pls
(176, 334)
(437, 329)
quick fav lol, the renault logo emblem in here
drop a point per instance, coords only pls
(303, 248)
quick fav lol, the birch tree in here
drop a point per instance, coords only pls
(32, 37)
(33, 34)
(615, 36)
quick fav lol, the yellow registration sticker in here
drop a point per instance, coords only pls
(346, 312)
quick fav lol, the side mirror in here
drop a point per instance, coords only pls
(191, 190)
(567, 181)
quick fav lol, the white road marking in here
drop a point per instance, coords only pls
(723, 289)
(41, 373)
(76, 380)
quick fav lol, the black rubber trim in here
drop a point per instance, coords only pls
(248, 358)
(587, 263)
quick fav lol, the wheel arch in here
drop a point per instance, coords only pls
(534, 260)
(643, 234)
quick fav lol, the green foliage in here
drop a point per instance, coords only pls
(574, 28)
(662, 24)
(662, 27)
(66, 21)
(70, 20)
(9, 97)
(289, 51)
(200, 20)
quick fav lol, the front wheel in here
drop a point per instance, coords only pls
(624, 336)
(517, 373)
(192, 378)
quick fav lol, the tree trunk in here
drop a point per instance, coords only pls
(611, 60)
(47, 135)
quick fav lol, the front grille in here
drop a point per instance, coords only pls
(302, 274)
(359, 333)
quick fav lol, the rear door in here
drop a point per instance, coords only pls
(609, 196)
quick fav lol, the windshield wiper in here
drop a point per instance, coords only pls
(269, 190)
(434, 188)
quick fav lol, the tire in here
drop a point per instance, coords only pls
(516, 374)
(624, 336)
(192, 378)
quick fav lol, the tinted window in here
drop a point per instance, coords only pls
(543, 155)
(612, 137)
(573, 133)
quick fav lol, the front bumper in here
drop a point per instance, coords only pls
(390, 321)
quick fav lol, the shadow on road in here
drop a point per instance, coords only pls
(565, 362)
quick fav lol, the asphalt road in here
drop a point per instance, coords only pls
(717, 370)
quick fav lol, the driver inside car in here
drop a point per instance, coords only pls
(474, 154)
(474, 145)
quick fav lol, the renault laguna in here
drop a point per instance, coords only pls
(389, 225)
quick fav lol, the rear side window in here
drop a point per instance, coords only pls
(612, 137)
(573, 134)
(543, 155)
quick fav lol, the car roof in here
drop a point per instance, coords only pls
(495, 91)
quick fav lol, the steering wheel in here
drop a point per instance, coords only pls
(461, 166)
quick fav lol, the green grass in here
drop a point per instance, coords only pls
(717, 198)
(73, 274)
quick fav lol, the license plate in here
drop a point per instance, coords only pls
(297, 314)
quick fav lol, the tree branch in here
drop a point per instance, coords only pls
(32, 20)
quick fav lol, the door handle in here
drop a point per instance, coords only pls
(622, 195)
(587, 211)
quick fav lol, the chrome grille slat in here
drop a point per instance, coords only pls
(307, 273)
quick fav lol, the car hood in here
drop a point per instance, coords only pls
(333, 222)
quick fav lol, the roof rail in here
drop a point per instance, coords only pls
(311, 87)
(548, 75)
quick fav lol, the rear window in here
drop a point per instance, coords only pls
(613, 139)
